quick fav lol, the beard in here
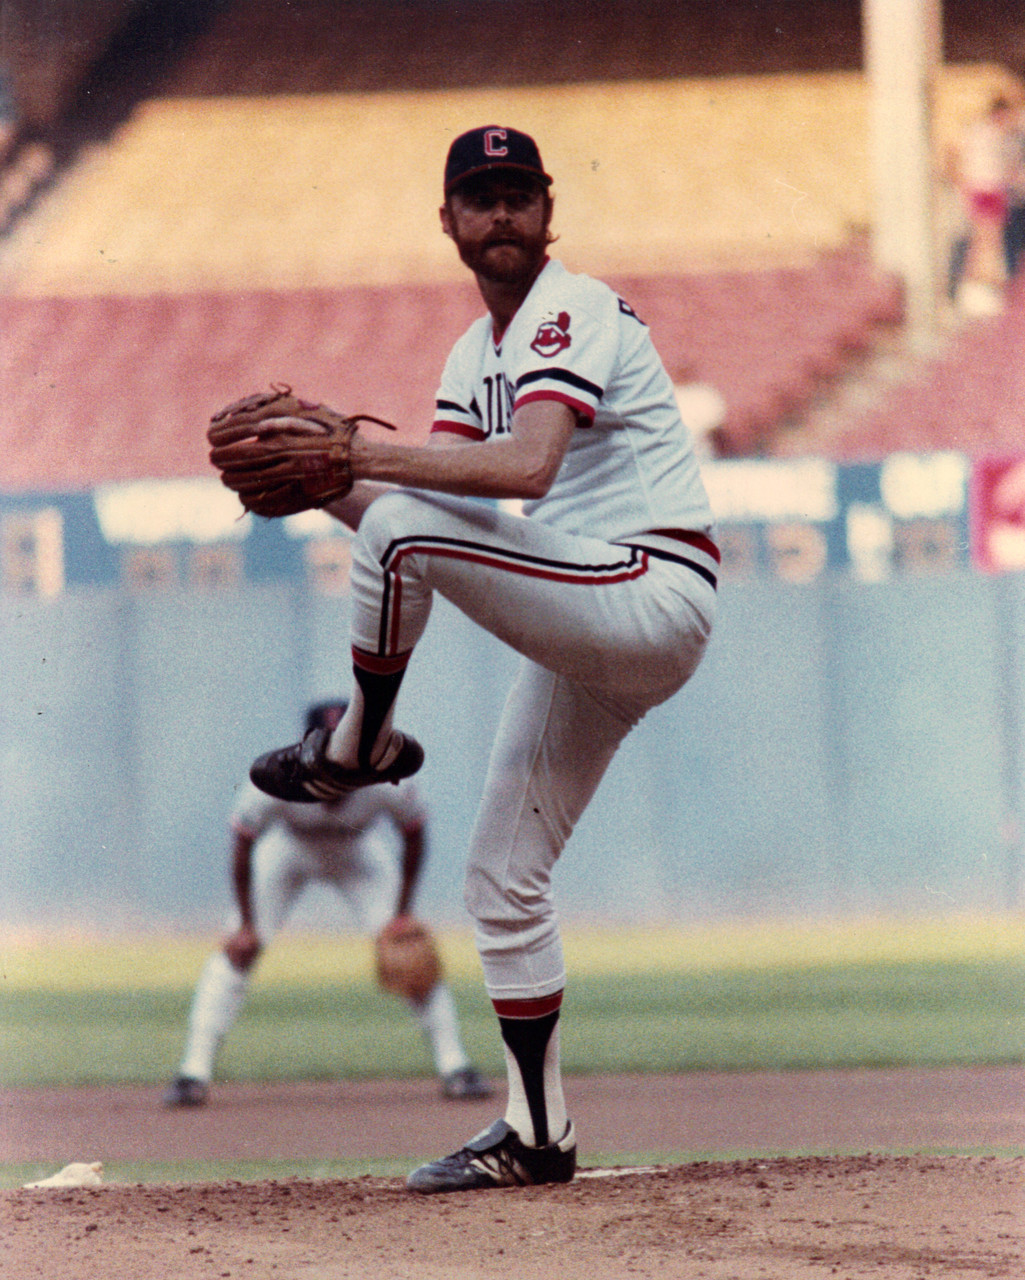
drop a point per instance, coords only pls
(505, 258)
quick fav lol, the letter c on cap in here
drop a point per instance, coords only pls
(494, 140)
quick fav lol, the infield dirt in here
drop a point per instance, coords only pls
(898, 1217)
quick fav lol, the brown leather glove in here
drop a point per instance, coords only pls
(407, 959)
(276, 467)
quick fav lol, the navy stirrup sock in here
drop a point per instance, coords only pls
(379, 681)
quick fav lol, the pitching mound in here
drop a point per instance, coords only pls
(898, 1218)
(819, 1217)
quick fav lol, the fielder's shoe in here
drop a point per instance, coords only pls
(303, 773)
(186, 1091)
(466, 1083)
(497, 1158)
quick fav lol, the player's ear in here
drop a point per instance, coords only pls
(445, 213)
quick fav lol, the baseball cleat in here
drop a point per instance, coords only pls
(465, 1084)
(303, 773)
(497, 1158)
(186, 1091)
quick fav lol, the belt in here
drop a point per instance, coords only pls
(689, 537)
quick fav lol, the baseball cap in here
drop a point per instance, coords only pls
(492, 147)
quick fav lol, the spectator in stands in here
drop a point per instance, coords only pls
(1014, 227)
(956, 220)
(983, 169)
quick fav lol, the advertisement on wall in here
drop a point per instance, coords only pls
(788, 519)
(998, 514)
(796, 519)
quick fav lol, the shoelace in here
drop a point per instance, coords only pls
(499, 1163)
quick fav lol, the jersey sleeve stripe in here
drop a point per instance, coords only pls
(561, 375)
(457, 429)
(582, 410)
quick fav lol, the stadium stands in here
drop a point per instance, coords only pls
(330, 190)
(210, 242)
(293, 191)
(327, 46)
(119, 387)
(971, 398)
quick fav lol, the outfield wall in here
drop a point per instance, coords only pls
(846, 747)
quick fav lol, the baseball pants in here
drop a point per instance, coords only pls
(606, 631)
(366, 875)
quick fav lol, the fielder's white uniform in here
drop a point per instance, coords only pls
(342, 845)
(606, 587)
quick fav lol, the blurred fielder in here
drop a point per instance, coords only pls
(278, 849)
(606, 586)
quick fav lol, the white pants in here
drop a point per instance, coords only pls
(283, 865)
(366, 875)
(606, 633)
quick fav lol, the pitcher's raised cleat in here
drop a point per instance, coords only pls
(303, 773)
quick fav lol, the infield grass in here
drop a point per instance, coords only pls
(737, 996)
(741, 996)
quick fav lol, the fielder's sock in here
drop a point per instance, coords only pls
(530, 1033)
(436, 1016)
(218, 998)
(364, 735)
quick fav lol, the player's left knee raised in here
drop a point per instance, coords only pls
(390, 516)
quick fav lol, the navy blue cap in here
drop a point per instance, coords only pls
(492, 147)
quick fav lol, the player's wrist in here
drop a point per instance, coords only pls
(378, 461)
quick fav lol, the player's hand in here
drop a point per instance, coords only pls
(242, 947)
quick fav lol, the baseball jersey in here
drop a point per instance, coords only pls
(328, 830)
(630, 466)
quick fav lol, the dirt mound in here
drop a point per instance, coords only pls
(903, 1218)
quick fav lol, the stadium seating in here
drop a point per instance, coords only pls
(223, 191)
(325, 46)
(217, 240)
(971, 398)
(120, 386)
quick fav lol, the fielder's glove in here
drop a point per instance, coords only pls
(407, 958)
(278, 469)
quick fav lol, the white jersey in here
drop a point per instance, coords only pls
(630, 466)
(331, 832)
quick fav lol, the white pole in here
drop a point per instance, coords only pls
(902, 46)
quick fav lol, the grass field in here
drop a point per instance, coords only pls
(738, 996)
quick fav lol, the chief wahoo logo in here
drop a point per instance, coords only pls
(552, 336)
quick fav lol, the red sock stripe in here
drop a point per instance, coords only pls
(538, 1008)
(386, 666)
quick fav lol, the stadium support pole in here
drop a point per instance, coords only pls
(902, 42)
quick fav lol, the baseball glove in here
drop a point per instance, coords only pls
(407, 958)
(278, 469)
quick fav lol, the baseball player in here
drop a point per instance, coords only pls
(279, 849)
(605, 585)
